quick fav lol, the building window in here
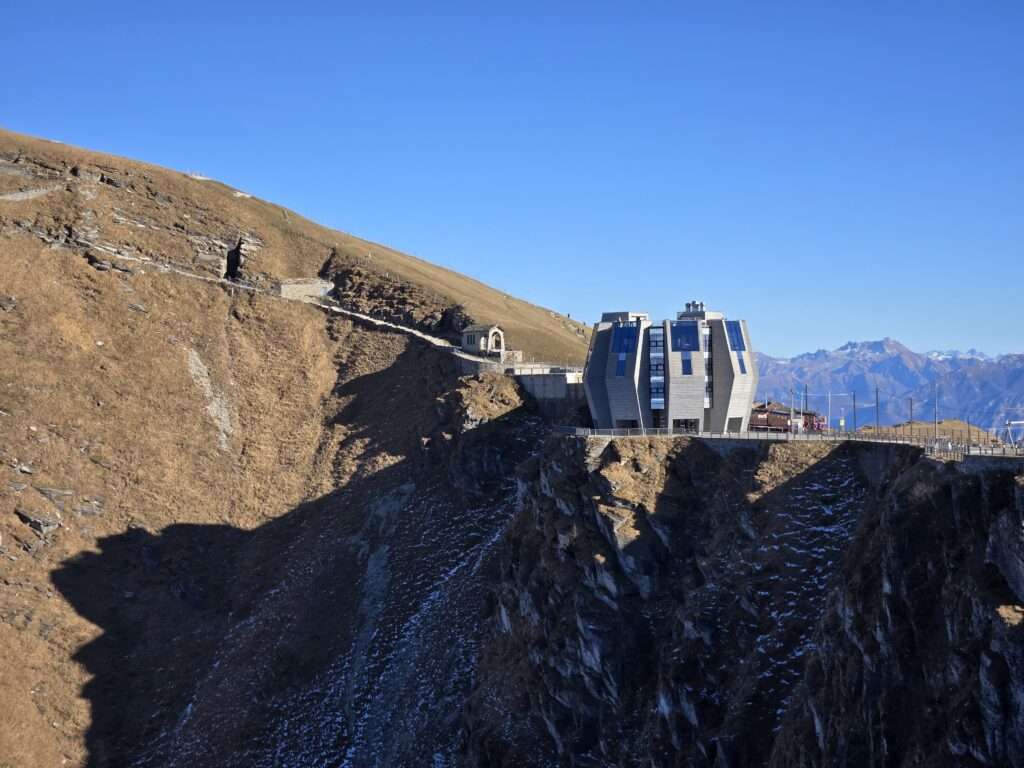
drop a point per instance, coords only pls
(620, 365)
(624, 338)
(471, 339)
(687, 364)
(743, 365)
(657, 391)
(685, 336)
(657, 340)
(734, 331)
(686, 425)
(657, 368)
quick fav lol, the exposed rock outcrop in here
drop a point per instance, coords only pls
(389, 297)
(661, 603)
(919, 659)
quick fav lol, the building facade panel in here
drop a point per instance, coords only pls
(594, 374)
(684, 367)
(745, 382)
(724, 375)
(622, 374)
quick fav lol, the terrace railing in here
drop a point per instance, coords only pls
(953, 445)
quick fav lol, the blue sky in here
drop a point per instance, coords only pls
(828, 173)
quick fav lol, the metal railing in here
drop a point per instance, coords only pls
(531, 369)
(954, 446)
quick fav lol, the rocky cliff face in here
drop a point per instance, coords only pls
(919, 657)
(661, 603)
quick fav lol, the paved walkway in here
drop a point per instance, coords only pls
(165, 268)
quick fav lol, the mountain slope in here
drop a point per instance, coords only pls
(71, 196)
(234, 530)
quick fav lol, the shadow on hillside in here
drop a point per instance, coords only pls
(205, 626)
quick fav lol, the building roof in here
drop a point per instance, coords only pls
(623, 317)
(480, 328)
(782, 409)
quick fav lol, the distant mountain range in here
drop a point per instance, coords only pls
(972, 386)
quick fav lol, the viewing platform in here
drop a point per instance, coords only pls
(943, 448)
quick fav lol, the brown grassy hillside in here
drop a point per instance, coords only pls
(74, 196)
(947, 429)
(209, 496)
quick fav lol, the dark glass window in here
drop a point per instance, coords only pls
(743, 365)
(657, 368)
(620, 366)
(687, 365)
(686, 425)
(685, 336)
(735, 334)
(657, 340)
(624, 338)
(657, 390)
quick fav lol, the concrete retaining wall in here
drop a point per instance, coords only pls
(558, 395)
(553, 386)
(480, 365)
(980, 464)
(305, 289)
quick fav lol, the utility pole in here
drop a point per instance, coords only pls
(805, 402)
(830, 410)
(876, 410)
(855, 411)
(792, 395)
(911, 418)
(936, 410)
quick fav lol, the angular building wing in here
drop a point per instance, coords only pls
(696, 373)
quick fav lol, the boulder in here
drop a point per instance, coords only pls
(41, 524)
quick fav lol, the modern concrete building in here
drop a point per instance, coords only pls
(696, 373)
